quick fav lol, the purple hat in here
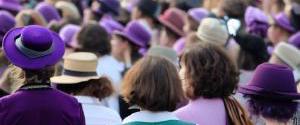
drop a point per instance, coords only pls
(11, 5)
(131, 4)
(179, 45)
(33, 47)
(256, 21)
(48, 11)
(295, 40)
(136, 33)
(272, 81)
(198, 14)
(67, 34)
(112, 5)
(7, 21)
(111, 25)
(283, 21)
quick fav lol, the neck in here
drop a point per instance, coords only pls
(273, 122)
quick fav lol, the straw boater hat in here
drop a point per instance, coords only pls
(78, 67)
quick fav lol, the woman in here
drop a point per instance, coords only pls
(35, 50)
(155, 96)
(88, 88)
(208, 76)
(29, 17)
(272, 94)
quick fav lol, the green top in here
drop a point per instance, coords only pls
(169, 122)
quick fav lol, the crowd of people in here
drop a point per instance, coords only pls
(149, 62)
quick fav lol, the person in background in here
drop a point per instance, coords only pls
(257, 22)
(161, 96)
(80, 79)
(29, 17)
(102, 9)
(68, 35)
(172, 30)
(272, 94)
(208, 76)
(12, 6)
(280, 30)
(36, 50)
(48, 11)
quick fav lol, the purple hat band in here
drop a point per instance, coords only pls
(136, 33)
(295, 40)
(33, 47)
(48, 11)
(283, 21)
(110, 25)
(11, 5)
(273, 81)
(198, 14)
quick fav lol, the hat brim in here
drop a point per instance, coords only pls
(9, 6)
(128, 37)
(64, 79)
(19, 59)
(167, 24)
(253, 90)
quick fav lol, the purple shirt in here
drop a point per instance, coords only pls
(203, 112)
(44, 106)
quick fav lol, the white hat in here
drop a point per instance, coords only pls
(289, 54)
(78, 67)
(212, 30)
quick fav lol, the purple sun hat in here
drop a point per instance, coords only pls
(179, 46)
(256, 21)
(198, 14)
(48, 11)
(67, 34)
(112, 5)
(283, 21)
(136, 33)
(272, 81)
(111, 25)
(11, 5)
(295, 40)
(33, 47)
(7, 21)
(131, 4)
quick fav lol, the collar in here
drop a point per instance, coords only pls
(148, 116)
(87, 100)
(34, 86)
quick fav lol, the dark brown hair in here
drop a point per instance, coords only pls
(153, 84)
(98, 88)
(210, 73)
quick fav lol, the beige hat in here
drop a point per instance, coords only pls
(289, 54)
(213, 31)
(68, 9)
(163, 52)
(78, 67)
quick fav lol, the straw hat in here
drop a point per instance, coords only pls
(78, 67)
(289, 54)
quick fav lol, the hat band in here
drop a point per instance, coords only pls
(78, 73)
(32, 53)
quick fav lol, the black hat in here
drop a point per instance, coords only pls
(149, 8)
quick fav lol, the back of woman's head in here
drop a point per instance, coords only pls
(93, 38)
(153, 84)
(209, 72)
(29, 17)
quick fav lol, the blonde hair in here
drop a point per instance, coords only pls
(27, 17)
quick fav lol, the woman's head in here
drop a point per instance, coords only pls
(93, 38)
(153, 84)
(29, 17)
(206, 71)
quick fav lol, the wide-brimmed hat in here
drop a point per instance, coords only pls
(48, 11)
(112, 5)
(11, 5)
(137, 33)
(283, 21)
(272, 81)
(289, 54)
(213, 31)
(111, 25)
(67, 34)
(7, 21)
(198, 14)
(33, 47)
(173, 19)
(78, 67)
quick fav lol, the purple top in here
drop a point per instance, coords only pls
(203, 112)
(44, 106)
